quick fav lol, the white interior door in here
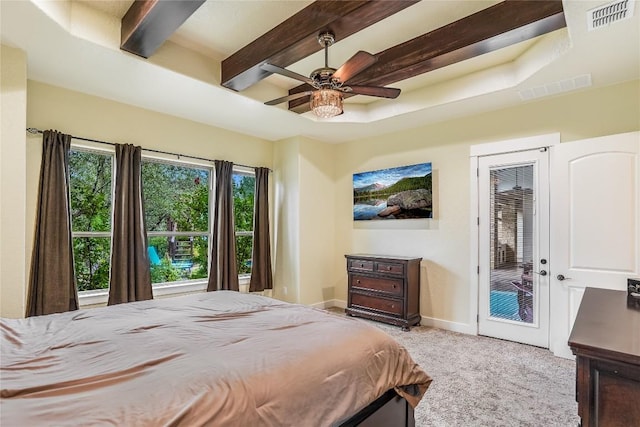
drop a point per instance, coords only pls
(595, 215)
(513, 251)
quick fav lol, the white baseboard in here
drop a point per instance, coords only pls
(339, 303)
(448, 325)
(330, 303)
(564, 352)
(431, 322)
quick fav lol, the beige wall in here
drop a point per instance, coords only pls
(304, 220)
(443, 242)
(287, 213)
(317, 217)
(51, 107)
(13, 230)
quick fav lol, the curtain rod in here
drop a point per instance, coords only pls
(36, 131)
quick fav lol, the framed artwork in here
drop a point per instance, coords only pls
(396, 193)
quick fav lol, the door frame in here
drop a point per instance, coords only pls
(476, 151)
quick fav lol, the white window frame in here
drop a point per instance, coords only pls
(100, 149)
(194, 285)
(99, 297)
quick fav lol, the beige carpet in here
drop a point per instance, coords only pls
(485, 382)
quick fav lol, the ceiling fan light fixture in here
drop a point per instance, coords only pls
(326, 103)
(329, 85)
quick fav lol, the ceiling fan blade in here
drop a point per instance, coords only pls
(382, 92)
(289, 98)
(284, 72)
(356, 64)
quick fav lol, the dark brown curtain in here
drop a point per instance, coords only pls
(261, 277)
(52, 281)
(130, 270)
(223, 274)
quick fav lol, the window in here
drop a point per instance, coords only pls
(244, 185)
(177, 199)
(91, 175)
(176, 203)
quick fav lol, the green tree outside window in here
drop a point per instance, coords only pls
(176, 199)
(244, 186)
(90, 176)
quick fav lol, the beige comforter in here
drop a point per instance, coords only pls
(219, 358)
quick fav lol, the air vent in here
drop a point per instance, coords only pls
(609, 13)
(554, 88)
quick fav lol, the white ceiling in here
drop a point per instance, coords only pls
(75, 44)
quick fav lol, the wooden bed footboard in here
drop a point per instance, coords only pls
(389, 410)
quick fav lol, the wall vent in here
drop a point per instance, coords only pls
(607, 14)
(554, 88)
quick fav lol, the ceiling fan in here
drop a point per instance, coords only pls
(330, 84)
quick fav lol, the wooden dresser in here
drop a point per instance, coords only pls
(606, 341)
(384, 288)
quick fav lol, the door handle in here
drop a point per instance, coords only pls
(542, 272)
(561, 277)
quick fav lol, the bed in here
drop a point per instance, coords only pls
(218, 358)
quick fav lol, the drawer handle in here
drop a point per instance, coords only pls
(361, 265)
(393, 306)
(393, 286)
(389, 268)
(358, 281)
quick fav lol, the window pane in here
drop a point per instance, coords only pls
(176, 198)
(91, 258)
(512, 293)
(90, 186)
(243, 191)
(178, 258)
(243, 253)
(243, 195)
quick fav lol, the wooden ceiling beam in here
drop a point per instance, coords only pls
(296, 38)
(148, 23)
(496, 27)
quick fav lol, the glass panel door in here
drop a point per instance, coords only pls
(513, 197)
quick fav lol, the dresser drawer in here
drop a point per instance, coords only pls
(378, 284)
(390, 268)
(360, 265)
(389, 306)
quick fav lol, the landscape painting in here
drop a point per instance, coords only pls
(396, 193)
